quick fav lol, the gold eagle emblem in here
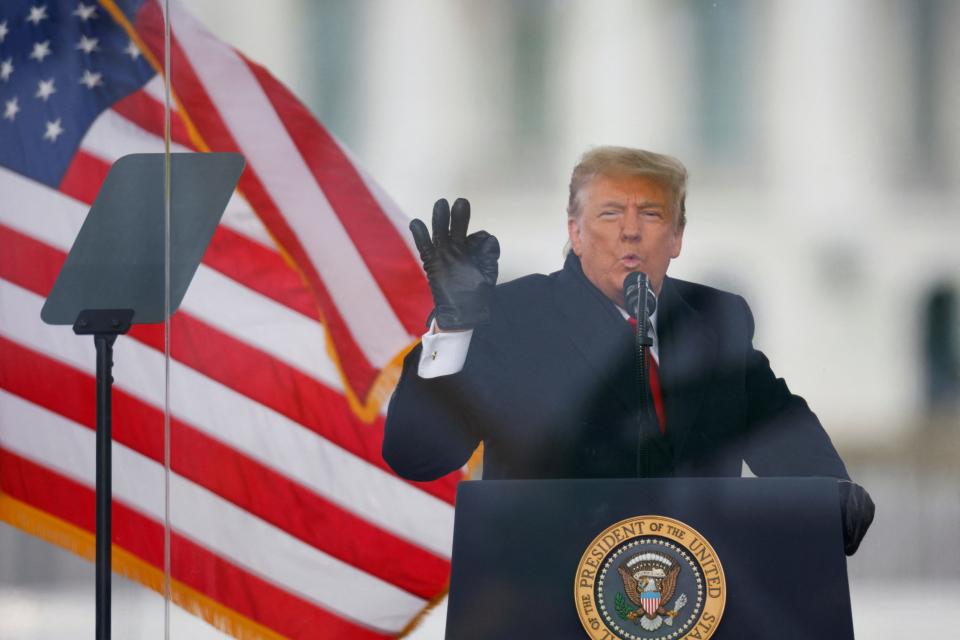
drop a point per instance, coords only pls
(650, 581)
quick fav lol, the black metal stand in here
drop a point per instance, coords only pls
(640, 305)
(646, 418)
(130, 256)
(104, 325)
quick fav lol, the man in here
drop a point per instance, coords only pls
(543, 370)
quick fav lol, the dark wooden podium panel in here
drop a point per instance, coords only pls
(517, 545)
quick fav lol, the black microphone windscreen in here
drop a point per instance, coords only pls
(634, 284)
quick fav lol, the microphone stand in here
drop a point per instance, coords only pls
(642, 344)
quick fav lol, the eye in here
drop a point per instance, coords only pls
(610, 213)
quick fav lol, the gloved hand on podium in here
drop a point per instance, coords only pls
(856, 512)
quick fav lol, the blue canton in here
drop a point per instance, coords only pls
(62, 63)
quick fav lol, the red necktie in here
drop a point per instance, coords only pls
(654, 374)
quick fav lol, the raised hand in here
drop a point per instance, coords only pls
(461, 269)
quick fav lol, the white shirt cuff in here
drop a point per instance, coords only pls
(443, 353)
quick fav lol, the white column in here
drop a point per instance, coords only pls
(625, 77)
(836, 88)
(430, 104)
(836, 78)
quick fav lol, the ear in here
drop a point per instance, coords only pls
(677, 242)
(573, 232)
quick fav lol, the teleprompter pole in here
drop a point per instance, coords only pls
(105, 325)
(104, 343)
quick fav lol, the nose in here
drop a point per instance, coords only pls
(630, 225)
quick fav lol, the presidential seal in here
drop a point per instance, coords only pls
(650, 578)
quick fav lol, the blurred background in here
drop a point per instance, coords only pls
(823, 146)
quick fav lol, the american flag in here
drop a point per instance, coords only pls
(285, 520)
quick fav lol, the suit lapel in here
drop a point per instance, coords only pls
(598, 331)
(688, 351)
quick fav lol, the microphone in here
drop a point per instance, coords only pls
(637, 293)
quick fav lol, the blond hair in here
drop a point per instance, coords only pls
(614, 162)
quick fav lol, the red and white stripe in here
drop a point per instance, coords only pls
(361, 266)
(210, 521)
(650, 603)
(282, 507)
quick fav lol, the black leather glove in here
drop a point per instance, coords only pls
(856, 512)
(461, 269)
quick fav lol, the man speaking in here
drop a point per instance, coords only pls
(544, 370)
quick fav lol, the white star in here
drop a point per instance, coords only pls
(11, 109)
(85, 11)
(132, 50)
(40, 50)
(37, 14)
(90, 79)
(53, 130)
(87, 45)
(6, 68)
(3, 30)
(45, 89)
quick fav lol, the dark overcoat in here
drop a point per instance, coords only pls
(550, 388)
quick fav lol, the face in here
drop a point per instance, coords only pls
(625, 224)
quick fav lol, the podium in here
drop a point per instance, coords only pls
(645, 558)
